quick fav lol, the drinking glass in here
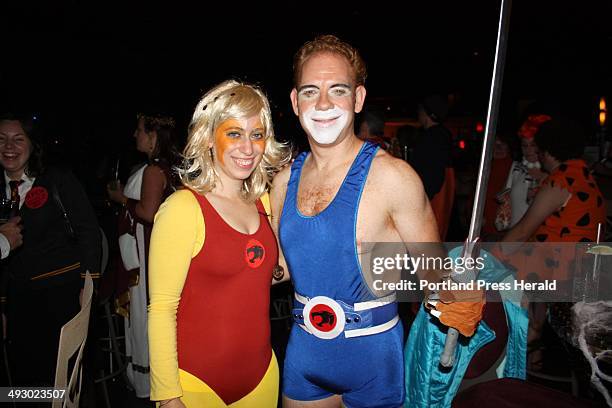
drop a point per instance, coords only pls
(5, 210)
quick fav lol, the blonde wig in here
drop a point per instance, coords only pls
(229, 100)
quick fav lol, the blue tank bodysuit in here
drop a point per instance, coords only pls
(361, 353)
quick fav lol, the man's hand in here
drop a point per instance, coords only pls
(461, 309)
(12, 231)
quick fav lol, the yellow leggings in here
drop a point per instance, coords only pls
(197, 394)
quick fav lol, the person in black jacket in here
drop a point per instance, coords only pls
(42, 279)
(432, 152)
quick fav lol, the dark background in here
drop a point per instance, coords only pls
(87, 67)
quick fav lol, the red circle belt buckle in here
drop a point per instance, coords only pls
(324, 317)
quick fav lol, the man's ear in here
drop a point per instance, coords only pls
(360, 94)
(294, 101)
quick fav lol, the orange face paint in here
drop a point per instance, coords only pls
(231, 134)
(222, 140)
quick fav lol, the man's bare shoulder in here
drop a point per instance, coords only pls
(391, 172)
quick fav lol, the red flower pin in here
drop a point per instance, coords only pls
(36, 197)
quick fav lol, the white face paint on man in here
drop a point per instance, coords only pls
(325, 126)
(326, 99)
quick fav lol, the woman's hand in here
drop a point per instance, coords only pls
(172, 403)
(116, 194)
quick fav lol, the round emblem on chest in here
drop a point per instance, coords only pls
(254, 253)
(36, 197)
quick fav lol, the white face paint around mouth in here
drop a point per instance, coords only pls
(325, 126)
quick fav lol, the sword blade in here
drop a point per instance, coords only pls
(447, 358)
(492, 116)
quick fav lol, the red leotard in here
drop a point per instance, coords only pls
(223, 326)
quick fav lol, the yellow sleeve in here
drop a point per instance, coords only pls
(178, 236)
(265, 200)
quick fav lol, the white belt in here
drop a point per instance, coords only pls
(338, 309)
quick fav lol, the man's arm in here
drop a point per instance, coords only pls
(408, 205)
(277, 199)
(411, 214)
(417, 227)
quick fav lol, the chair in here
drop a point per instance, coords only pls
(281, 309)
(72, 340)
(117, 362)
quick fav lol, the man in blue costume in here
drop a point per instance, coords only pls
(346, 343)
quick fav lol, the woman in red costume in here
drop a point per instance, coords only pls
(211, 259)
